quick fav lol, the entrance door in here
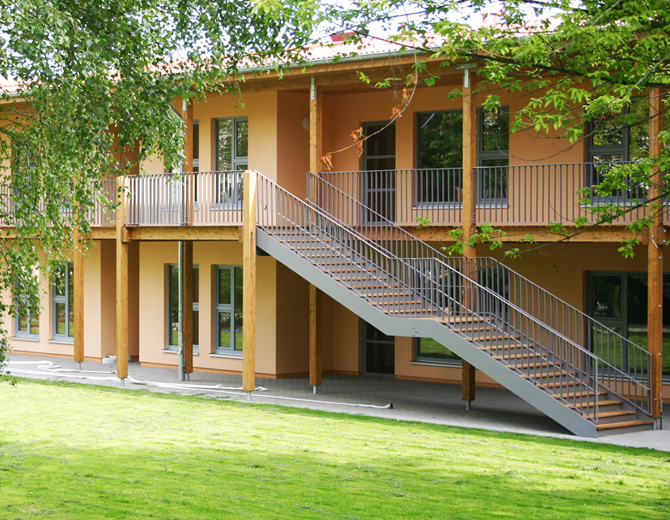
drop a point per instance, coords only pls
(378, 351)
(379, 176)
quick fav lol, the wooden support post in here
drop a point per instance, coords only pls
(469, 213)
(249, 283)
(314, 337)
(655, 256)
(189, 178)
(78, 268)
(315, 153)
(187, 322)
(121, 285)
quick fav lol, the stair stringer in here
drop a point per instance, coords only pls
(432, 328)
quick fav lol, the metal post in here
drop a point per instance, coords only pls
(180, 333)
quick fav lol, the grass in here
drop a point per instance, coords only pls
(77, 451)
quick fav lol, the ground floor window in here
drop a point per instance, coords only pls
(63, 302)
(619, 301)
(430, 350)
(27, 317)
(228, 310)
(173, 307)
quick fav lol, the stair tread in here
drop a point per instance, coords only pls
(580, 393)
(505, 347)
(614, 413)
(624, 424)
(502, 335)
(590, 404)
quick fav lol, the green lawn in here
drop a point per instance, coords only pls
(77, 451)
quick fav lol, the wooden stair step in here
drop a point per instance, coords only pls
(351, 270)
(494, 338)
(623, 424)
(462, 319)
(579, 393)
(414, 302)
(542, 375)
(516, 356)
(410, 311)
(560, 384)
(613, 413)
(476, 329)
(591, 404)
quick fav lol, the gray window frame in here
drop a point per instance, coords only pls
(238, 163)
(226, 307)
(196, 307)
(489, 155)
(56, 299)
(18, 305)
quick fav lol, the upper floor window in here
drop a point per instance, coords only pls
(493, 153)
(616, 140)
(63, 301)
(440, 156)
(231, 154)
(196, 145)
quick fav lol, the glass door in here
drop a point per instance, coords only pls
(378, 351)
(379, 178)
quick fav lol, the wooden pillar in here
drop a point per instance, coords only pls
(187, 306)
(315, 153)
(655, 256)
(189, 178)
(78, 268)
(122, 314)
(469, 213)
(249, 283)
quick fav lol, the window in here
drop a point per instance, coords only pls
(228, 311)
(429, 350)
(27, 311)
(232, 155)
(619, 301)
(493, 154)
(196, 145)
(440, 156)
(173, 307)
(63, 302)
(613, 141)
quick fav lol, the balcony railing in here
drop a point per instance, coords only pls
(526, 195)
(196, 199)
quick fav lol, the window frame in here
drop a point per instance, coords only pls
(237, 164)
(196, 308)
(423, 183)
(226, 307)
(491, 155)
(20, 306)
(67, 299)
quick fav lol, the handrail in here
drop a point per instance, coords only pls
(635, 361)
(286, 218)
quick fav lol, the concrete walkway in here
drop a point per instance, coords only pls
(494, 409)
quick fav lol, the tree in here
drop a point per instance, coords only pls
(86, 89)
(580, 66)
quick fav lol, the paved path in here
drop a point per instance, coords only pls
(494, 408)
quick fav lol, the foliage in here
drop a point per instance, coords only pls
(88, 89)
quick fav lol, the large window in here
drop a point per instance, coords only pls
(27, 313)
(63, 302)
(440, 157)
(493, 154)
(614, 141)
(228, 310)
(619, 301)
(232, 154)
(173, 307)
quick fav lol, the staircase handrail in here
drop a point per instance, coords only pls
(569, 374)
(380, 221)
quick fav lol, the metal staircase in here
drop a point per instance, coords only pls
(477, 308)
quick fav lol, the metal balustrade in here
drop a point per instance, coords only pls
(197, 199)
(562, 332)
(519, 195)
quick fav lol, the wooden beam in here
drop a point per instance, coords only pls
(315, 127)
(315, 370)
(655, 256)
(469, 212)
(121, 285)
(249, 283)
(468, 374)
(187, 333)
(78, 282)
(185, 233)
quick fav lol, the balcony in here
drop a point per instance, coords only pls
(524, 196)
